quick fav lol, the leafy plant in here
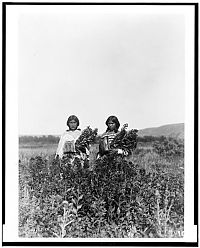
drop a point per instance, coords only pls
(169, 147)
(125, 140)
(118, 198)
(87, 137)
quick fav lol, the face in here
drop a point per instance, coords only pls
(111, 125)
(73, 125)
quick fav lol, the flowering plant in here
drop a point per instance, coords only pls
(126, 140)
(87, 136)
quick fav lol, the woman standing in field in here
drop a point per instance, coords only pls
(66, 146)
(105, 146)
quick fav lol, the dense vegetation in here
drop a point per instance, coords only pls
(140, 196)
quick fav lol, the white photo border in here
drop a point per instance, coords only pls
(10, 167)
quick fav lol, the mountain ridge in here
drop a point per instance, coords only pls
(168, 130)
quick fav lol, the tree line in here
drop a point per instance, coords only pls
(52, 139)
(47, 139)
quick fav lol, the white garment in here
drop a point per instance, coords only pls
(67, 136)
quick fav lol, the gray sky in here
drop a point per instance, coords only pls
(97, 64)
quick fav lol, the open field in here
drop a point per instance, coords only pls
(141, 196)
(32, 151)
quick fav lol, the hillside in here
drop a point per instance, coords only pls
(170, 130)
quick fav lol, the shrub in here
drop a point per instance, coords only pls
(169, 147)
(117, 198)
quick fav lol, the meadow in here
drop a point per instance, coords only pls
(134, 197)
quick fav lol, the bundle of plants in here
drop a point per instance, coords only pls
(86, 138)
(126, 140)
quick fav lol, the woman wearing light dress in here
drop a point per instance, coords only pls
(66, 145)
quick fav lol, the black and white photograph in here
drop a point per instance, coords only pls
(99, 136)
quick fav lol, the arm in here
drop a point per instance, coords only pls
(59, 150)
(103, 145)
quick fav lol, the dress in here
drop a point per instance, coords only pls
(67, 141)
(105, 142)
(107, 138)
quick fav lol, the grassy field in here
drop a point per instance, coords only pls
(46, 150)
(141, 196)
(26, 152)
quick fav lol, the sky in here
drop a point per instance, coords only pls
(100, 62)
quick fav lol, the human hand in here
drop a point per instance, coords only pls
(56, 156)
(119, 151)
(125, 126)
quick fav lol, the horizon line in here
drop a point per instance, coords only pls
(100, 133)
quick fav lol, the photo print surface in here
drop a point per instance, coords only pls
(104, 108)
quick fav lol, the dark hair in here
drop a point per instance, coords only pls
(74, 118)
(115, 120)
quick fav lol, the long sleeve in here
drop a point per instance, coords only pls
(59, 150)
(69, 136)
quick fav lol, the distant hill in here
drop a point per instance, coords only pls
(170, 130)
